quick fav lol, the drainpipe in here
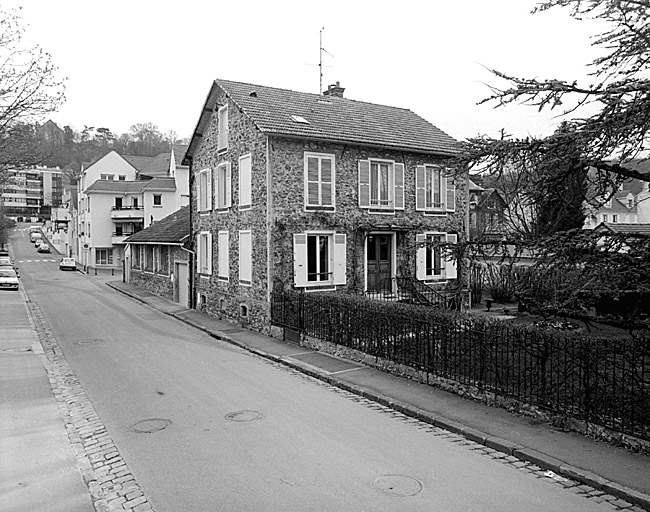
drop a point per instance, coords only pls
(190, 178)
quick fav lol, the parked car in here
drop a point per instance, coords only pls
(8, 279)
(35, 238)
(4, 266)
(67, 264)
(43, 248)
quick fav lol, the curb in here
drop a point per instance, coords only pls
(522, 453)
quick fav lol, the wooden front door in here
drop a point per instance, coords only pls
(379, 262)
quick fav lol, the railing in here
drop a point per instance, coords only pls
(119, 208)
(409, 289)
(604, 381)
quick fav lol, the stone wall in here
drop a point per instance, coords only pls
(356, 223)
(159, 284)
(242, 304)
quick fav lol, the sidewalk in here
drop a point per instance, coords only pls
(613, 470)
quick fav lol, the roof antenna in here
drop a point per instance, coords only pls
(320, 61)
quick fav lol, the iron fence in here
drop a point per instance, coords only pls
(601, 380)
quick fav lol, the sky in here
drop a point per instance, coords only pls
(140, 61)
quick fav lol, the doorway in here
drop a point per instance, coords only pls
(379, 262)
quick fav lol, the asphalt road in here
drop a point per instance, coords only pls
(245, 434)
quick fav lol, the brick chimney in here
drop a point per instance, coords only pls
(334, 90)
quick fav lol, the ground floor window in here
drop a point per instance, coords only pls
(434, 259)
(163, 260)
(135, 256)
(104, 256)
(148, 258)
(319, 259)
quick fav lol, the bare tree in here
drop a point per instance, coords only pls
(29, 89)
(618, 130)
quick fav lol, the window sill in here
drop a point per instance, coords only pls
(223, 279)
(157, 205)
(318, 208)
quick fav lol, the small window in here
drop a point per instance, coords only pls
(224, 186)
(245, 182)
(299, 119)
(204, 190)
(122, 177)
(434, 261)
(222, 137)
(204, 253)
(223, 255)
(245, 258)
(157, 200)
(614, 218)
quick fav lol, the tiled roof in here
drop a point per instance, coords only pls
(123, 187)
(157, 166)
(641, 229)
(173, 229)
(179, 153)
(160, 184)
(329, 118)
(139, 162)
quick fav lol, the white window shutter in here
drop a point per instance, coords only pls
(399, 186)
(421, 258)
(451, 195)
(199, 258)
(224, 255)
(228, 185)
(451, 270)
(245, 257)
(300, 260)
(340, 258)
(364, 183)
(245, 181)
(420, 201)
(209, 262)
(208, 192)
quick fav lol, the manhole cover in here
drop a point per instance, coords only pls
(150, 426)
(18, 349)
(88, 341)
(244, 416)
(397, 485)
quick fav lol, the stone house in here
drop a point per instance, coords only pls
(316, 193)
(157, 260)
(486, 213)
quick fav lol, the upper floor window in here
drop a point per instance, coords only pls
(319, 182)
(204, 190)
(381, 185)
(222, 137)
(157, 200)
(434, 192)
(121, 177)
(223, 186)
(245, 182)
(614, 218)
(109, 177)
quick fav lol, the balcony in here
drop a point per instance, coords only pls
(117, 238)
(127, 213)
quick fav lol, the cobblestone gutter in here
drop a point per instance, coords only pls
(110, 483)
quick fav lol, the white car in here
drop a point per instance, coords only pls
(8, 279)
(67, 264)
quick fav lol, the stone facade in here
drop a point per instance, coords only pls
(278, 212)
(156, 282)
